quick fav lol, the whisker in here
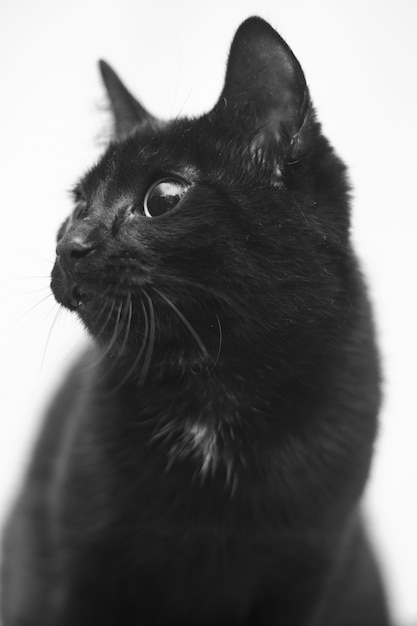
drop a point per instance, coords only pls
(180, 110)
(127, 313)
(47, 342)
(53, 324)
(183, 282)
(174, 95)
(112, 341)
(20, 278)
(112, 300)
(151, 342)
(103, 353)
(186, 323)
(107, 320)
(19, 319)
(28, 293)
(128, 324)
(23, 294)
(35, 255)
(216, 360)
(138, 357)
(114, 337)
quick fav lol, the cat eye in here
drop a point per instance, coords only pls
(164, 195)
(80, 210)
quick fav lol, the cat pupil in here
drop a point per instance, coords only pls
(163, 196)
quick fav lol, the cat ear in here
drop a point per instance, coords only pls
(128, 113)
(265, 93)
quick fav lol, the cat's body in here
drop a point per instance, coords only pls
(205, 462)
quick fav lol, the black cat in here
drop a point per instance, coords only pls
(204, 462)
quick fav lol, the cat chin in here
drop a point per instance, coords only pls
(66, 292)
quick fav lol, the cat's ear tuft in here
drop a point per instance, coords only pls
(265, 95)
(128, 113)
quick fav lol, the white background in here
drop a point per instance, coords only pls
(360, 61)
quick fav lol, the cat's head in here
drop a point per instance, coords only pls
(193, 237)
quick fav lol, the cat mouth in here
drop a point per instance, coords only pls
(85, 298)
(79, 297)
(69, 293)
(134, 325)
(76, 288)
(75, 298)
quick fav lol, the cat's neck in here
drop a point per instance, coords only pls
(197, 401)
(227, 426)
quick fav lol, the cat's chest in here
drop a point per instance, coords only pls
(172, 428)
(184, 453)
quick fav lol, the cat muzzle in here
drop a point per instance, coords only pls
(71, 250)
(65, 287)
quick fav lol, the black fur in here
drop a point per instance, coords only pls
(203, 464)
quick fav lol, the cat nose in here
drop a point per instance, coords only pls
(79, 247)
(74, 248)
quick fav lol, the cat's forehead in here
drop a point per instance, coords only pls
(168, 148)
(194, 149)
